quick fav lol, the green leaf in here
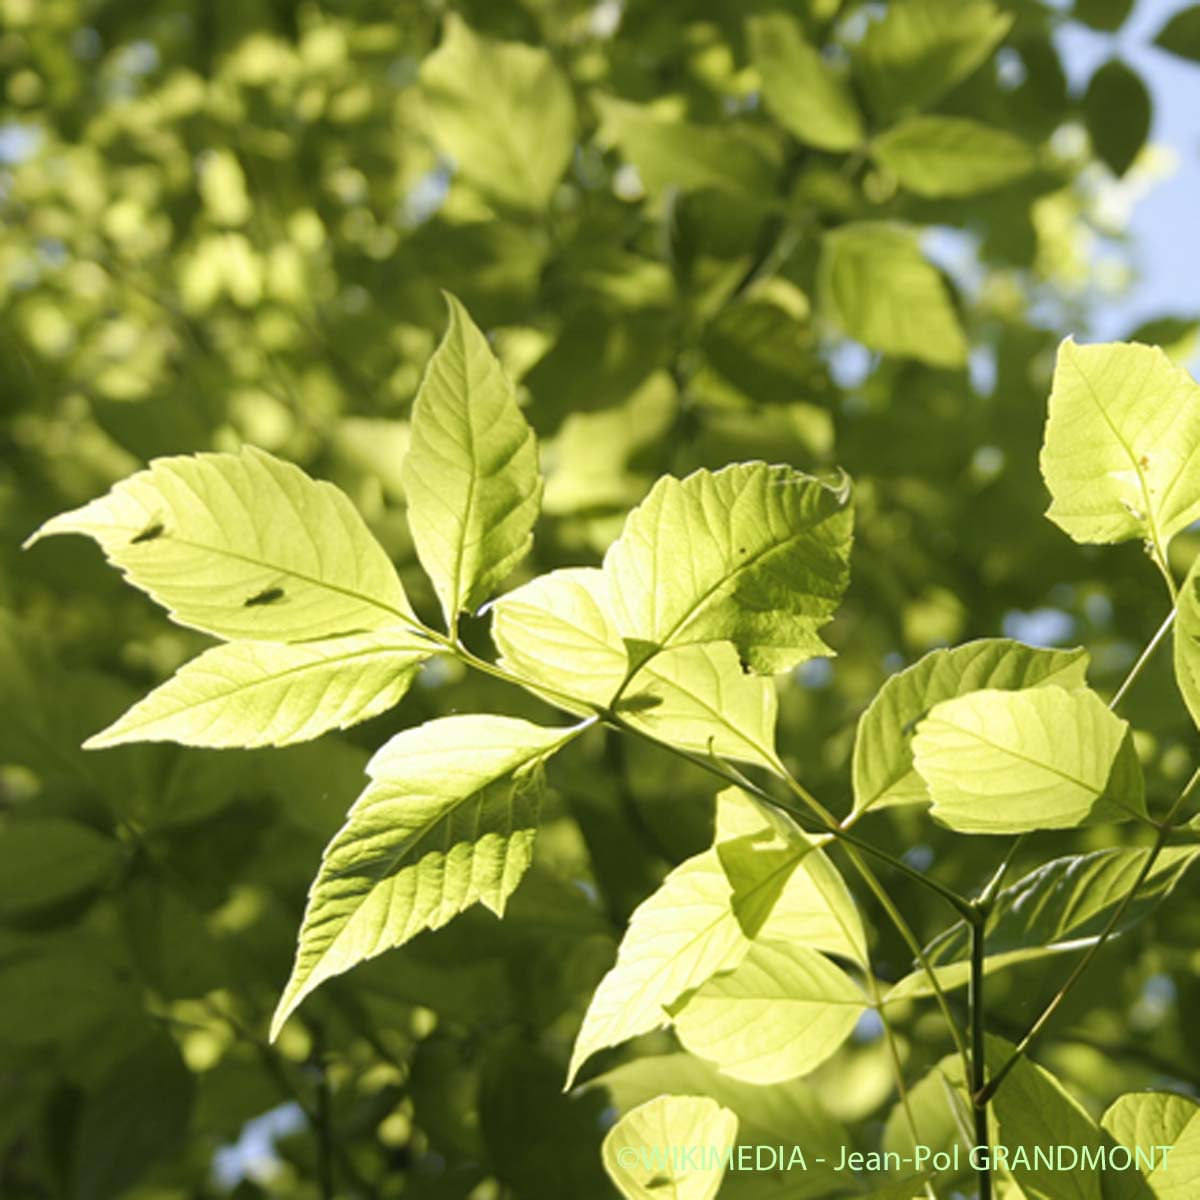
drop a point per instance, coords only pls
(502, 111)
(1044, 758)
(644, 1152)
(1122, 445)
(1181, 34)
(272, 694)
(951, 156)
(244, 546)
(784, 888)
(778, 1014)
(47, 859)
(1148, 1121)
(677, 938)
(558, 631)
(877, 287)
(448, 820)
(699, 698)
(921, 48)
(1032, 1108)
(471, 474)
(883, 768)
(1187, 642)
(1063, 905)
(786, 1114)
(752, 554)
(1105, 15)
(701, 918)
(678, 154)
(1117, 111)
(804, 92)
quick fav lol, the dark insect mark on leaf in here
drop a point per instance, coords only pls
(267, 596)
(148, 534)
(639, 703)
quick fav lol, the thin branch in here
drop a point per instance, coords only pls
(1165, 828)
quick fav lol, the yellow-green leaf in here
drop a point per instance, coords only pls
(778, 1014)
(502, 111)
(244, 546)
(876, 286)
(645, 1152)
(447, 821)
(951, 156)
(1168, 1127)
(1121, 455)
(1187, 642)
(1044, 758)
(273, 694)
(471, 474)
(883, 769)
(804, 92)
(752, 554)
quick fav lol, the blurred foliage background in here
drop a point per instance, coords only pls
(225, 223)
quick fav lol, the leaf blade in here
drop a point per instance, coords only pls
(271, 693)
(471, 473)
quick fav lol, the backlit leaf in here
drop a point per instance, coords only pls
(883, 769)
(1164, 1126)
(951, 156)
(1044, 758)
(1061, 906)
(920, 49)
(272, 694)
(1122, 444)
(471, 474)
(876, 285)
(644, 1153)
(752, 554)
(502, 111)
(806, 94)
(776, 1015)
(1187, 642)
(244, 546)
(448, 820)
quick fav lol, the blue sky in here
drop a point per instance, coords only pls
(1166, 224)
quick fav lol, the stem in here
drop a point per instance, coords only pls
(831, 827)
(984, 1094)
(1143, 658)
(978, 1050)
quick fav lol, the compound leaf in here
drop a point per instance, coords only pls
(244, 546)
(273, 694)
(448, 820)
(1043, 758)
(471, 474)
